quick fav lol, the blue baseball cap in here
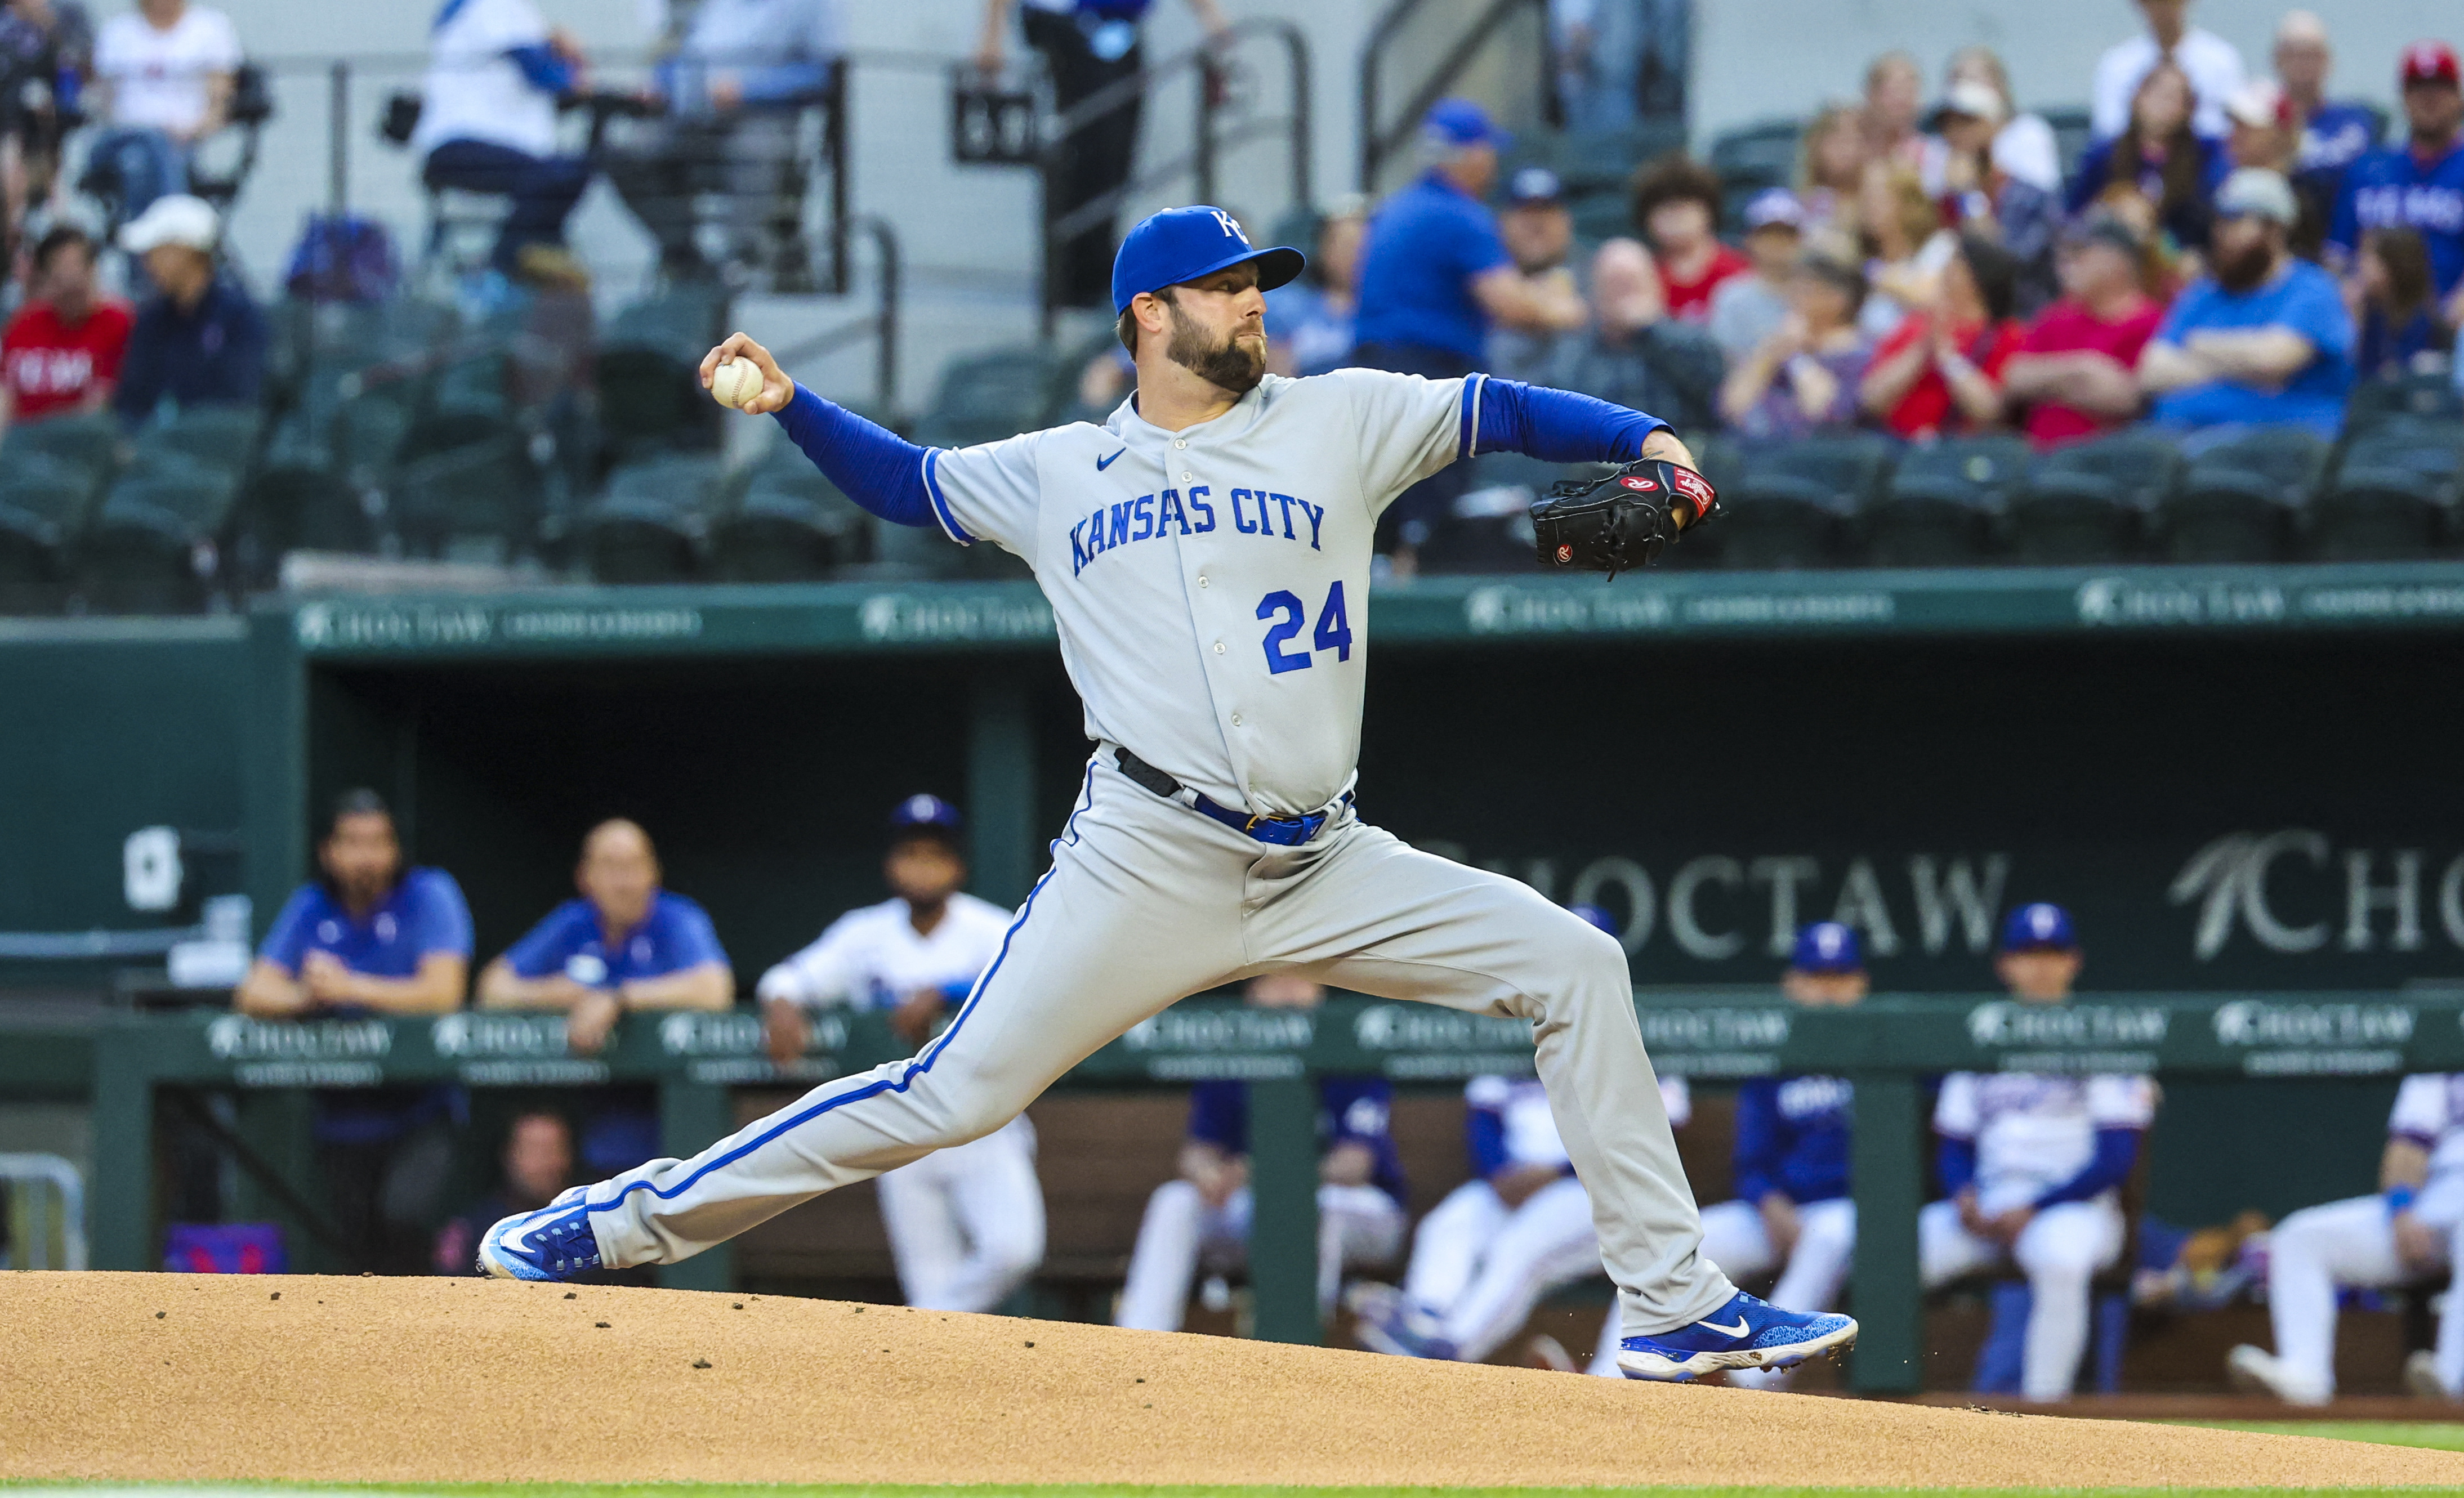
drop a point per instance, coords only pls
(925, 816)
(2039, 928)
(1534, 185)
(1185, 243)
(1598, 917)
(1827, 947)
(1460, 122)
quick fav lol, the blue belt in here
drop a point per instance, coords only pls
(1281, 832)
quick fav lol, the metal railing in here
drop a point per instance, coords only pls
(1379, 142)
(45, 1200)
(1213, 136)
(881, 325)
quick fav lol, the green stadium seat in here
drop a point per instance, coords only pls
(2417, 397)
(987, 397)
(650, 525)
(221, 438)
(91, 444)
(1944, 503)
(1794, 500)
(1750, 158)
(2090, 501)
(43, 507)
(154, 547)
(2243, 499)
(2073, 132)
(2395, 493)
(789, 525)
(1489, 529)
(465, 483)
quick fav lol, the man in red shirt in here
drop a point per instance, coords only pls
(1676, 207)
(61, 351)
(1940, 373)
(2076, 368)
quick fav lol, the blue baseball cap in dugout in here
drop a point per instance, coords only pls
(923, 815)
(1596, 916)
(2039, 928)
(1533, 185)
(1182, 244)
(1460, 122)
(1827, 946)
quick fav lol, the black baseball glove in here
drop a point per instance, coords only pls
(1620, 522)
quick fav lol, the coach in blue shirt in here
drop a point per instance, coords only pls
(368, 934)
(2264, 340)
(2420, 184)
(625, 943)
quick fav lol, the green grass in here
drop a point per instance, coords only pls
(2382, 1432)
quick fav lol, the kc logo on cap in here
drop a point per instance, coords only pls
(1182, 245)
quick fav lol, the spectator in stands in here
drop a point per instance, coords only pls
(1539, 233)
(2403, 328)
(199, 339)
(2264, 340)
(2333, 136)
(487, 125)
(624, 943)
(538, 1165)
(1677, 211)
(1087, 46)
(1894, 99)
(2172, 165)
(1983, 199)
(165, 72)
(62, 350)
(1804, 376)
(2208, 62)
(732, 93)
(2032, 1165)
(2024, 147)
(1202, 1217)
(1748, 309)
(1831, 159)
(1309, 322)
(1618, 60)
(1906, 246)
(1636, 355)
(2075, 373)
(2263, 136)
(369, 933)
(1941, 372)
(2420, 184)
(46, 56)
(1435, 277)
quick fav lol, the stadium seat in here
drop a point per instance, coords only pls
(220, 438)
(1793, 500)
(43, 504)
(1489, 528)
(2073, 132)
(153, 547)
(465, 484)
(650, 525)
(790, 525)
(90, 444)
(2242, 500)
(2428, 397)
(1749, 159)
(1590, 161)
(2089, 502)
(2394, 494)
(1944, 501)
(987, 397)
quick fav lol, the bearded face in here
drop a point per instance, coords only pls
(1235, 361)
(2241, 261)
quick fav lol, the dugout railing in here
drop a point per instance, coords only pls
(1888, 1047)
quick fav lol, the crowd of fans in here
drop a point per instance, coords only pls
(2228, 251)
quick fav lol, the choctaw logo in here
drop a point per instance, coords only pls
(1639, 484)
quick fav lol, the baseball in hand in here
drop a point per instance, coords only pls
(736, 381)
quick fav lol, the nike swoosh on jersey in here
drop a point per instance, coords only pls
(1739, 1329)
(1102, 463)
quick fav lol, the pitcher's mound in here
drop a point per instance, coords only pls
(318, 1379)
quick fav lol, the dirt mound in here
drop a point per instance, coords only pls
(316, 1379)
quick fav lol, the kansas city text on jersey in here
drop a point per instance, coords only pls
(1254, 512)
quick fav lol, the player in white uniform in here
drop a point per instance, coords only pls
(966, 1223)
(1206, 554)
(2034, 1162)
(1519, 1227)
(2413, 1229)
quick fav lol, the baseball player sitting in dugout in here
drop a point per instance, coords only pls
(2034, 1164)
(1206, 553)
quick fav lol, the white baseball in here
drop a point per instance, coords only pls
(736, 381)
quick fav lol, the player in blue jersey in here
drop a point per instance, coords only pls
(2418, 185)
(1202, 1215)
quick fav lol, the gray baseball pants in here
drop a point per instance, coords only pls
(1148, 901)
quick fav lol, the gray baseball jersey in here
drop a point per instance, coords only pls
(1211, 585)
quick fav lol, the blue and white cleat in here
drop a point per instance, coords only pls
(555, 1243)
(1391, 1322)
(1745, 1333)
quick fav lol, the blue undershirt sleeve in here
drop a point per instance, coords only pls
(1956, 1164)
(873, 466)
(2117, 1149)
(544, 67)
(1555, 426)
(1484, 1130)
